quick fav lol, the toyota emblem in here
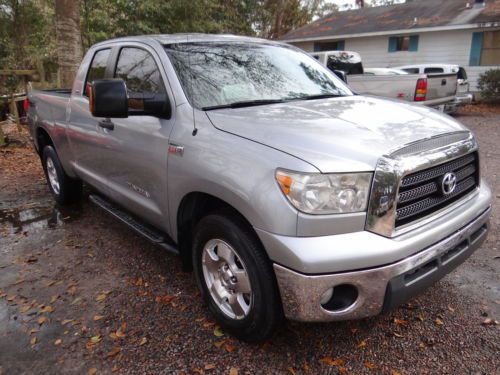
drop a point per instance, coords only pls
(449, 183)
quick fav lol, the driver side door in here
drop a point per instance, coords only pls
(138, 153)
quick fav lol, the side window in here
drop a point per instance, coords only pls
(97, 68)
(433, 70)
(139, 71)
(411, 70)
(462, 74)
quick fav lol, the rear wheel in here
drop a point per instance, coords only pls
(65, 189)
(235, 277)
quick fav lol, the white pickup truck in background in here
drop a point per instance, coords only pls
(463, 96)
(436, 90)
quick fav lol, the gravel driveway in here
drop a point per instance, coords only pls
(82, 294)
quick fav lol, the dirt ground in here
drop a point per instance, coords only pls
(82, 294)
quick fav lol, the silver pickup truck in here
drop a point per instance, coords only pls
(288, 195)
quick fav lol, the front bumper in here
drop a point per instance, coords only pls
(383, 287)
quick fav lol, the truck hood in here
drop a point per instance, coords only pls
(344, 134)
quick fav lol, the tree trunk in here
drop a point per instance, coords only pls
(69, 40)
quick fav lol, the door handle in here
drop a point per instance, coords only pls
(106, 124)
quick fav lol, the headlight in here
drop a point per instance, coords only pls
(316, 193)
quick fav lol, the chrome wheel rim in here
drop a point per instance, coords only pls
(52, 174)
(227, 279)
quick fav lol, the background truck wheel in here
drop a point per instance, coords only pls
(235, 277)
(65, 189)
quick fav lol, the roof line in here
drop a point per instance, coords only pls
(399, 31)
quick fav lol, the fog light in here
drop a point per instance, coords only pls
(340, 298)
(326, 296)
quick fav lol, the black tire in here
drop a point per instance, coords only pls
(265, 313)
(70, 190)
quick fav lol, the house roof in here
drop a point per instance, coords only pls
(412, 15)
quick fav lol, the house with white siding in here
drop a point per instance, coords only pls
(462, 32)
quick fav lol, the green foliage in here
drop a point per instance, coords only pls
(27, 27)
(489, 85)
(114, 18)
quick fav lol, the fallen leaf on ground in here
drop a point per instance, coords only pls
(219, 344)
(369, 365)
(53, 299)
(92, 371)
(394, 372)
(397, 334)
(143, 341)
(229, 348)
(101, 297)
(420, 317)
(306, 367)
(11, 298)
(33, 340)
(114, 369)
(41, 320)
(76, 300)
(58, 342)
(233, 371)
(451, 309)
(66, 321)
(98, 317)
(438, 322)
(329, 361)
(95, 339)
(113, 352)
(291, 370)
(209, 366)
(46, 309)
(71, 290)
(489, 322)
(218, 332)
(361, 344)
(399, 322)
(24, 309)
(119, 333)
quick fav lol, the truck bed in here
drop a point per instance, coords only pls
(49, 105)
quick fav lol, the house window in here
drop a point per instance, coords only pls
(490, 53)
(403, 43)
(485, 48)
(329, 46)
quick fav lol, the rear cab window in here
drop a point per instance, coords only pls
(433, 70)
(97, 68)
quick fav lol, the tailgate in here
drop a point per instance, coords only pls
(441, 86)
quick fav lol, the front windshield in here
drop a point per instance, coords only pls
(218, 74)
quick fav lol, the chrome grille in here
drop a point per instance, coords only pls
(420, 193)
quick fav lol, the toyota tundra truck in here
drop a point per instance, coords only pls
(285, 193)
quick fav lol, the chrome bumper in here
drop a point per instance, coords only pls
(379, 287)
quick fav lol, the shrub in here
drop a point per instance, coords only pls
(489, 85)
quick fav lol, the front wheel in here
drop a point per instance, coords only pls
(235, 277)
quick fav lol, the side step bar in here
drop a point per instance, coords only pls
(147, 231)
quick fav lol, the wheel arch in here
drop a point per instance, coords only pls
(192, 208)
(42, 139)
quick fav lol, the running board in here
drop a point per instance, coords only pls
(145, 230)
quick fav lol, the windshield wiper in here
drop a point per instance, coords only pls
(319, 96)
(246, 103)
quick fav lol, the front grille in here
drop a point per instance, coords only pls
(420, 193)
